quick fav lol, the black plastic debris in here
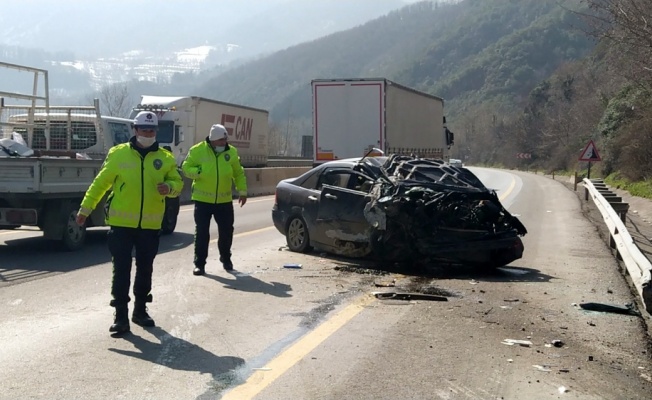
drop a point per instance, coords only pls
(608, 308)
(408, 296)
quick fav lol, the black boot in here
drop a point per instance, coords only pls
(226, 263)
(199, 271)
(121, 322)
(140, 315)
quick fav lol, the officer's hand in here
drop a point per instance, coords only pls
(242, 200)
(163, 188)
(81, 219)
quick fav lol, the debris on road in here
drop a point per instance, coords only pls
(293, 266)
(511, 342)
(408, 296)
(627, 310)
(386, 284)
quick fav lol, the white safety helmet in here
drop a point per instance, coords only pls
(217, 132)
(146, 119)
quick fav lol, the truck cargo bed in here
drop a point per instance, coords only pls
(46, 175)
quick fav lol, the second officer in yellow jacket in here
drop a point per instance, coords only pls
(214, 166)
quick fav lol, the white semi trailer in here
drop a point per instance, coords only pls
(351, 117)
(186, 120)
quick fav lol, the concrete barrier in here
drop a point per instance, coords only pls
(263, 181)
(260, 181)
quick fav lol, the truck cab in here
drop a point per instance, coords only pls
(173, 123)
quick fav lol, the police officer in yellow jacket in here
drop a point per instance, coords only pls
(214, 165)
(141, 175)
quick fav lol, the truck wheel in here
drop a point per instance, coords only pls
(170, 217)
(74, 235)
(297, 236)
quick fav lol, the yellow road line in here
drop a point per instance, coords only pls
(509, 190)
(190, 207)
(259, 380)
(237, 235)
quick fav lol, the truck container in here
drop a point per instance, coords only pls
(186, 120)
(352, 117)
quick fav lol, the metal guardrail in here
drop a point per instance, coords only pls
(613, 211)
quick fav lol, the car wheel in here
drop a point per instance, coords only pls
(297, 236)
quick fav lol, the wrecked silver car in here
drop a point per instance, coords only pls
(397, 209)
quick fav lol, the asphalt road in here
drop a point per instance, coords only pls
(267, 332)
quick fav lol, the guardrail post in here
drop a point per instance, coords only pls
(575, 181)
(621, 209)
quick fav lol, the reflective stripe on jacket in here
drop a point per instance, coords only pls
(134, 201)
(213, 174)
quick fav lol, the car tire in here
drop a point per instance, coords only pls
(297, 236)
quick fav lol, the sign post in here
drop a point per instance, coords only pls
(589, 154)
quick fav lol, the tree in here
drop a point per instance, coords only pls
(115, 99)
(626, 25)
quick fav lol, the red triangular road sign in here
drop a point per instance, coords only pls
(590, 153)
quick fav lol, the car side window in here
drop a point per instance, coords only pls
(360, 183)
(311, 182)
(334, 178)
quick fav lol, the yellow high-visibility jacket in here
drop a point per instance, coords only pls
(213, 174)
(134, 201)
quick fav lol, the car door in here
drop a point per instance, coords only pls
(340, 217)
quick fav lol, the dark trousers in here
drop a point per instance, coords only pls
(121, 243)
(223, 215)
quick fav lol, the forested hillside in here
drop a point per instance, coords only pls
(472, 53)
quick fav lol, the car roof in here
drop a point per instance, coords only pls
(348, 162)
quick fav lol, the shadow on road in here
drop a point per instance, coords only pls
(247, 283)
(28, 258)
(179, 354)
(509, 273)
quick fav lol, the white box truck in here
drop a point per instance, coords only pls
(186, 120)
(351, 117)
